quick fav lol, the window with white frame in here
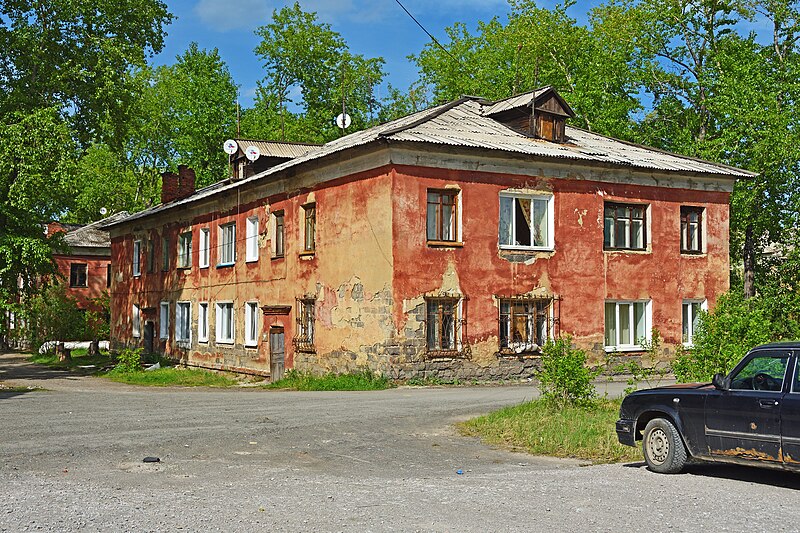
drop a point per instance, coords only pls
(137, 321)
(227, 244)
(627, 324)
(691, 317)
(163, 322)
(251, 324)
(137, 258)
(202, 322)
(526, 221)
(251, 248)
(691, 230)
(185, 250)
(205, 247)
(224, 322)
(183, 322)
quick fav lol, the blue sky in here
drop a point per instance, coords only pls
(372, 28)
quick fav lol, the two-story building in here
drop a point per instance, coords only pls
(451, 242)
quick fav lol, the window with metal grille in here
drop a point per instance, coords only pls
(310, 227)
(524, 324)
(77, 275)
(624, 227)
(304, 334)
(185, 250)
(442, 325)
(691, 230)
(442, 216)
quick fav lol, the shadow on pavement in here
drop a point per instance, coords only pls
(749, 474)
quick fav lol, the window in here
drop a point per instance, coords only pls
(183, 322)
(227, 244)
(205, 246)
(108, 275)
(164, 254)
(77, 275)
(137, 258)
(202, 322)
(764, 372)
(304, 337)
(691, 230)
(691, 316)
(137, 321)
(442, 216)
(251, 248)
(627, 324)
(524, 324)
(185, 250)
(163, 326)
(526, 221)
(310, 227)
(251, 324)
(279, 234)
(442, 324)
(225, 327)
(151, 256)
(624, 227)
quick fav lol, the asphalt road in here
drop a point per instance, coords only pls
(253, 460)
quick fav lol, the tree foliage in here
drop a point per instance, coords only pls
(311, 77)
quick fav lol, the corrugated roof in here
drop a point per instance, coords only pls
(275, 148)
(521, 100)
(465, 123)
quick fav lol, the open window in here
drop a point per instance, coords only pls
(526, 221)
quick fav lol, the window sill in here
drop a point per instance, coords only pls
(203, 266)
(202, 341)
(78, 286)
(185, 267)
(251, 346)
(276, 257)
(225, 265)
(445, 244)
(137, 275)
(527, 248)
(628, 250)
(308, 253)
(229, 342)
(251, 260)
(612, 349)
(692, 254)
(445, 354)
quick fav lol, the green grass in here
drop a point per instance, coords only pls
(305, 381)
(79, 358)
(582, 433)
(173, 377)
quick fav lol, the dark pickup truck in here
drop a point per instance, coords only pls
(751, 416)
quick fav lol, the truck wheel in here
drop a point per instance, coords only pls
(663, 448)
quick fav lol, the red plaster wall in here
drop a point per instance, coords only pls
(96, 276)
(579, 271)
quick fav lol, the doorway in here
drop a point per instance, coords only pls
(149, 334)
(276, 353)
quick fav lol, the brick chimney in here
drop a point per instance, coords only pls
(177, 186)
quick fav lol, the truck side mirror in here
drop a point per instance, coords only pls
(720, 381)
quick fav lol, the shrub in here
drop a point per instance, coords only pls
(129, 360)
(55, 316)
(735, 326)
(564, 377)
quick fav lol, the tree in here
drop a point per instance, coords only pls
(591, 67)
(306, 57)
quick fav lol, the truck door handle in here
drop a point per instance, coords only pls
(768, 404)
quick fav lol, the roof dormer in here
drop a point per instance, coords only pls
(541, 114)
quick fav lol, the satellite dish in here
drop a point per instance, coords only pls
(252, 153)
(103, 211)
(230, 147)
(343, 121)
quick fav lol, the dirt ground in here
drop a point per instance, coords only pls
(245, 460)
